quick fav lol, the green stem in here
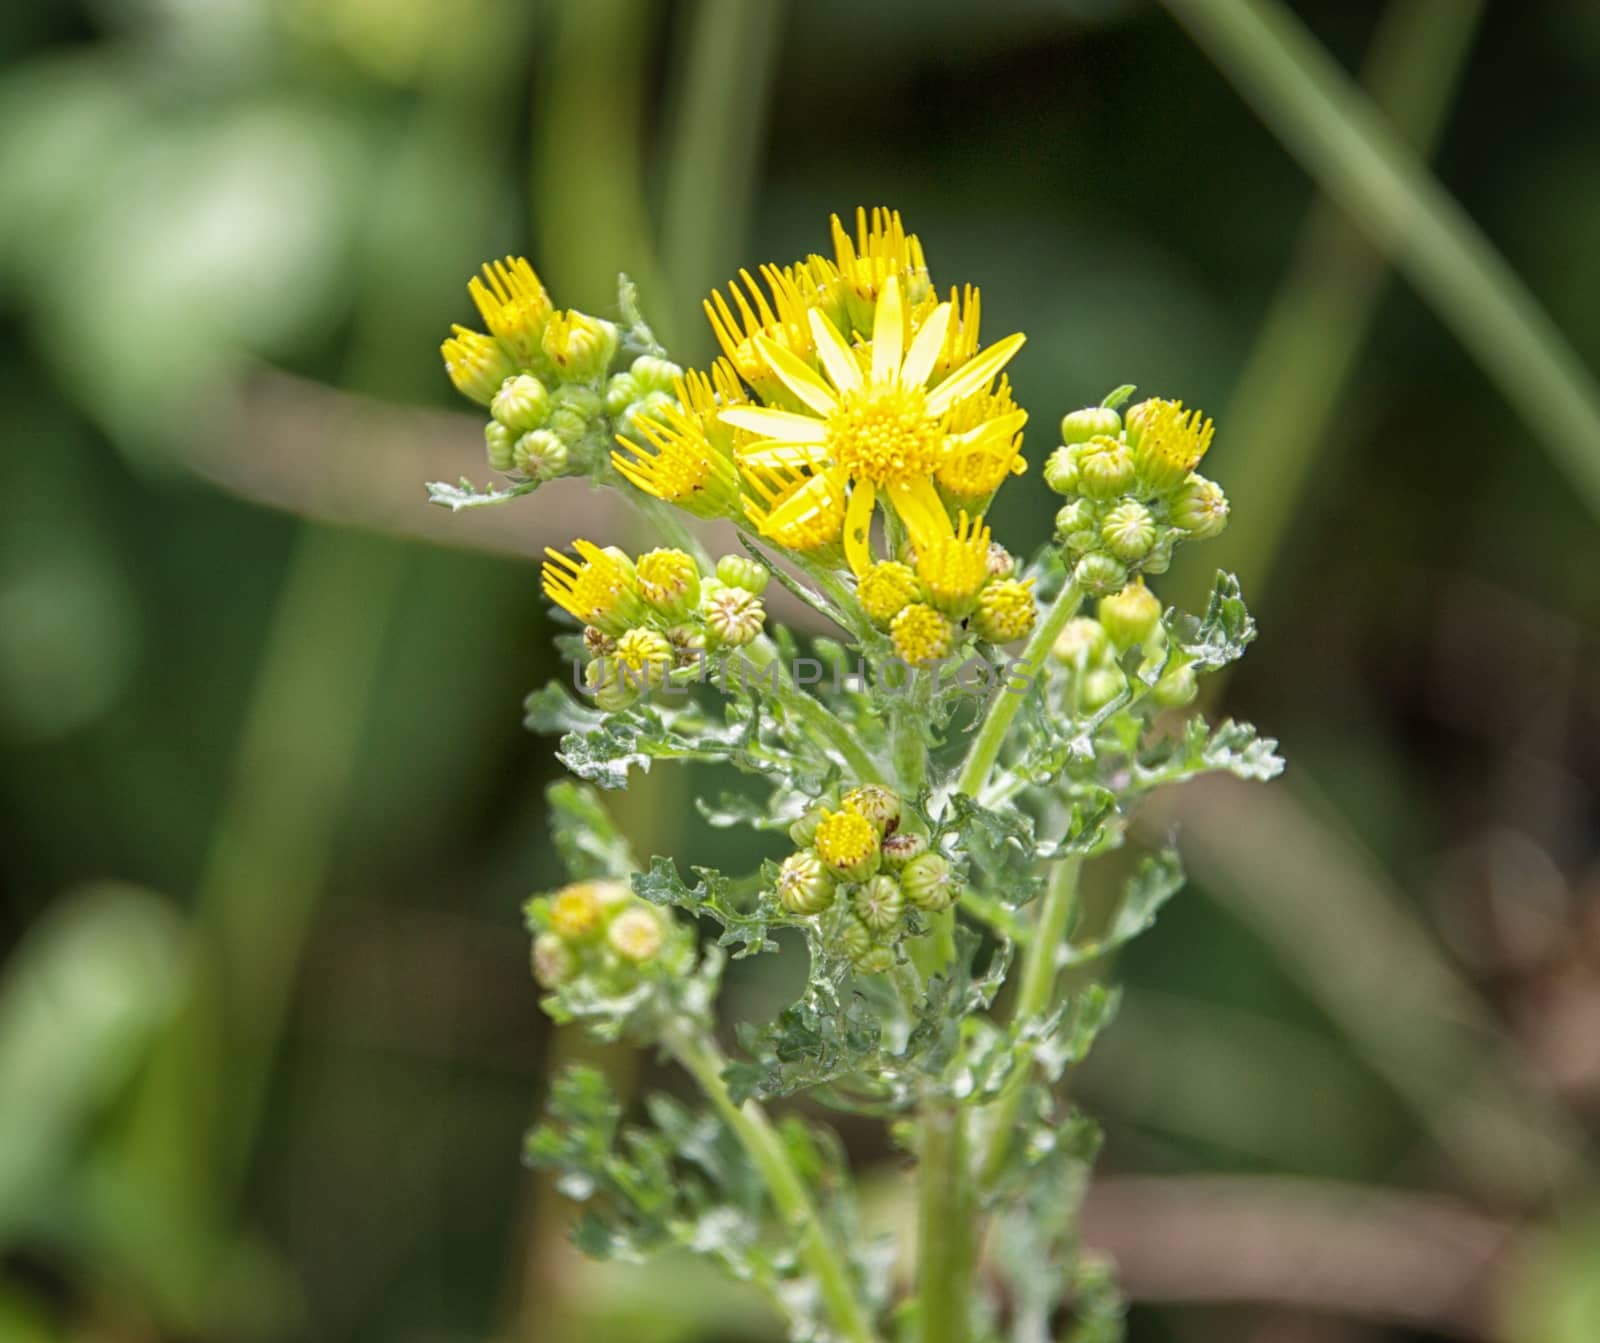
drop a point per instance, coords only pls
(825, 729)
(980, 761)
(699, 1055)
(946, 1241)
(1034, 996)
(1310, 104)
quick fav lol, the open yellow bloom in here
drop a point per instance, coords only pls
(692, 464)
(784, 318)
(881, 250)
(954, 568)
(513, 303)
(598, 588)
(879, 429)
(804, 508)
(1168, 441)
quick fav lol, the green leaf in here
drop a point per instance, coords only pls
(1221, 635)
(1157, 879)
(464, 494)
(712, 897)
(585, 834)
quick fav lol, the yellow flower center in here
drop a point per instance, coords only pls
(845, 839)
(921, 635)
(884, 433)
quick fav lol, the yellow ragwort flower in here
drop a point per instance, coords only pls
(886, 589)
(1169, 441)
(954, 568)
(881, 250)
(983, 463)
(804, 508)
(476, 364)
(848, 843)
(880, 429)
(692, 463)
(598, 588)
(513, 303)
(921, 635)
(1007, 611)
(783, 319)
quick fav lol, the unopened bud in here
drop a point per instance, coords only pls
(1100, 686)
(655, 375)
(901, 847)
(886, 589)
(521, 404)
(1105, 468)
(1002, 564)
(637, 934)
(1078, 526)
(499, 444)
(553, 961)
(878, 804)
(1061, 470)
(1200, 507)
(597, 643)
(576, 913)
(621, 392)
(804, 885)
(1130, 617)
(921, 635)
(1006, 612)
(929, 882)
(477, 365)
(540, 455)
(1098, 575)
(733, 615)
(580, 347)
(1129, 531)
(1079, 426)
(1082, 642)
(688, 644)
(866, 953)
(804, 830)
(1177, 687)
(879, 903)
(669, 580)
(644, 658)
(739, 571)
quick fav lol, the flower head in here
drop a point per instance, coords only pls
(578, 346)
(953, 569)
(686, 458)
(886, 589)
(921, 635)
(783, 319)
(1006, 611)
(847, 842)
(637, 934)
(734, 616)
(881, 251)
(669, 580)
(804, 508)
(514, 305)
(1168, 441)
(476, 365)
(598, 588)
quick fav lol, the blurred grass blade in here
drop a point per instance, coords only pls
(1307, 346)
(1355, 156)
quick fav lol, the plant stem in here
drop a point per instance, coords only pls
(980, 761)
(699, 1055)
(825, 729)
(1034, 996)
(946, 1241)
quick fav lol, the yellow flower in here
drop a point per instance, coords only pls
(513, 303)
(669, 580)
(1006, 611)
(1168, 441)
(886, 589)
(598, 588)
(785, 319)
(476, 365)
(879, 429)
(848, 843)
(961, 338)
(691, 465)
(921, 635)
(804, 508)
(954, 568)
(882, 251)
(575, 912)
(984, 462)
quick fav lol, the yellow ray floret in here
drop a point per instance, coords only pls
(882, 428)
(881, 250)
(954, 568)
(513, 303)
(597, 588)
(1169, 441)
(778, 312)
(804, 508)
(686, 458)
(988, 446)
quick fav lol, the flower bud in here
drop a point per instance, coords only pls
(878, 804)
(1006, 611)
(612, 692)
(879, 903)
(739, 571)
(1082, 641)
(804, 885)
(1200, 507)
(733, 615)
(655, 375)
(597, 643)
(1099, 575)
(1099, 687)
(1129, 531)
(521, 404)
(573, 412)
(877, 960)
(499, 443)
(576, 913)
(929, 882)
(1002, 564)
(1168, 442)
(1159, 560)
(1130, 617)
(580, 347)
(644, 659)
(621, 392)
(901, 847)
(553, 961)
(1177, 687)
(921, 635)
(476, 364)
(866, 953)
(540, 455)
(669, 580)
(886, 589)
(1079, 426)
(637, 934)
(804, 830)
(1078, 527)
(688, 644)
(848, 844)
(1105, 468)
(1061, 470)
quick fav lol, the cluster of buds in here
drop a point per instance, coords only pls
(645, 618)
(962, 584)
(858, 874)
(1094, 647)
(541, 373)
(601, 933)
(1132, 490)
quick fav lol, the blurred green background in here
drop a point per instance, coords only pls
(267, 1037)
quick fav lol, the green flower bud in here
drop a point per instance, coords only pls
(540, 455)
(1078, 526)
(498, 443)
(929, 882)
(1159, 560)
(655, 375)
(553, 961)
(878, 804)
(580, 347)
(878, 960)
(901, 847)
(733, 616)
(1105, 468)
(1200, 507)
(1130, 617)
(573, 412)
(611, 692)
(1099, 575)
(739, 571)
(647, 407)
(1177, 687)
(1082, 642)
(669, 580)
(879, 903)
(521, 404)
(1061, 470)
(1129, 531)
(1079, 426)
(621, 392)
(688, 644)
(804, 830)
(637, 934)
(804, 885)
(866, 953)
(1099, 687)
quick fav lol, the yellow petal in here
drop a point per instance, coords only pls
(812, 501)
(770, 453)
(922, 511)
(798, 377)
(924, 351)
(835, 353)
(858, 526)
(783, 425)
(888, 333)
(974, 376)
